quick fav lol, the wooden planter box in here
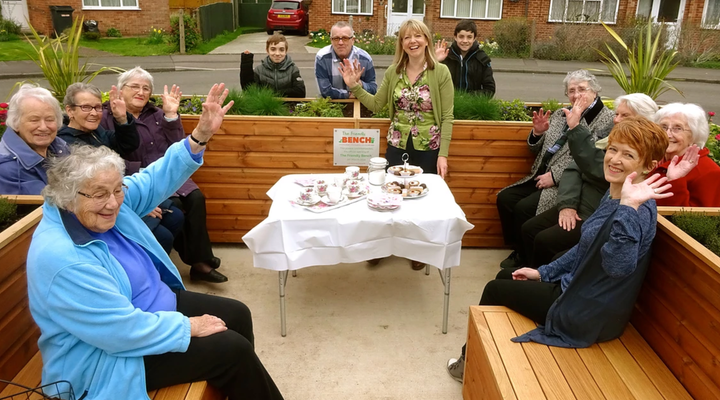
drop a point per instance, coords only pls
(18, 343)
(250, 153)
(678, 310)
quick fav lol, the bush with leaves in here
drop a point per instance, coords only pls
(192, 34)
(113, 32)
(321, 107)
(703, 228)
(10, 26)
(8, 213)
(383, 113)
(157, 36)
(374, 44)
(713, 143)
(476, 107)
(698, 45)
(551, 105)
(514, 110)
(513, 36)
(259, 100)
(570, 42)
(93, 36)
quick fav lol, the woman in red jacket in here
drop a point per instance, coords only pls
(694, 176)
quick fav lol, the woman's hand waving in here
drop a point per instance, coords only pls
(171, 101)
(634, 194)
(212, 116)
(541, 122)
(117, 105)
(680, 168)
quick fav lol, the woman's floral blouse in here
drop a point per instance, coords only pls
(413, 115)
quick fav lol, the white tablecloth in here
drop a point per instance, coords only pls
(429, 229)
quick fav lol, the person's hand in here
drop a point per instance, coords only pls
(541, 122)
(171, 101)
(568, 218)
(206, 325)
(351, 72)
(526, 274)
(634, 194)
(441, 50)
(582, 102)
(351, 96)
(442, 166)
(680, 168)
(156, 213)
(544, 181)
(213, 113)
(246, 52)
(117, 105)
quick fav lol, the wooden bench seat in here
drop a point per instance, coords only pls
(496, 368)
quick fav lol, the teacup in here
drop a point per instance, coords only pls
(352, 172)
(334, 193)
(307, 194)
(339, 181)
(321, 186)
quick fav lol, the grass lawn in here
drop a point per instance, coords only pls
(708, 64)
(18, 49)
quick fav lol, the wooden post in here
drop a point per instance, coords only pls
(181, 25)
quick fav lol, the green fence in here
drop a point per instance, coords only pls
(214, 19)
(252, 13)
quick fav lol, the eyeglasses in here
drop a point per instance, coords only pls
(676, 129)
(101, 198)
(87, 108)
(137, 88)
(343, 38)
(579, 90)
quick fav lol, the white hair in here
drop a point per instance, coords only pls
(27, 91)
(582, 75)
(640, 103)
(77, 88)
(136, 72)
(67, 175)
(696, 119)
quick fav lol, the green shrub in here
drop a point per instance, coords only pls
(7, 37)
(94, 36)
(259, 100)
(713, 143)
(383, 113)
(514, 110)
(571, 42)
(113, 32)
(513, 36)
(192, 34)
(703, 228)
(192, 105)
(373, 44)
(476, 107)
(8, 213)
(319, 108)
(551, 105)
(157, 36)
(10, 26)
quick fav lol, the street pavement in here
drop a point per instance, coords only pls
(527, 79)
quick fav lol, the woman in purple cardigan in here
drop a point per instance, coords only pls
(158, 129)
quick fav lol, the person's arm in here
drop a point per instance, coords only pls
(570, 188)
(247, 74)
(487, 79)
(324, 82)
(124, 139)
(368, 77)
(447, 99)
(554, 271)
(377, 101)
(621, 253)
(297, 90)
(589, 159)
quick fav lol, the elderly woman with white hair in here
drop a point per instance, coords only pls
(114, 316)
(537, 192)
(582, 185)
(159, 128)
(694, 176)
(30, 139)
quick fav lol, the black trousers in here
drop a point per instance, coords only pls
(227, 360)
(427, 160)
(529, 298)
(193, 242)
(516, 205)
(543, 237)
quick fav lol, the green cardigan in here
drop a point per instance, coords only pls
(442, 94)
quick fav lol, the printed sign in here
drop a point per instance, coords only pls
(355, 146)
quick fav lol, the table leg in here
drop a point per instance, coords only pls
(445, 277)
(283, 280)
(427, 269)
(294, 273)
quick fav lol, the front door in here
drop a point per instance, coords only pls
(16, 10)
(401, 10)
(667, 12)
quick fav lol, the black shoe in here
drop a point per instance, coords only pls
(512, 261)
(213, 276)
(214, 263)
(374, 261)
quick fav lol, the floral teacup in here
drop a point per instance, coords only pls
(307, 195)
(321, 187)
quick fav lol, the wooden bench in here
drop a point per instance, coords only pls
(671, 350)
(20, 360)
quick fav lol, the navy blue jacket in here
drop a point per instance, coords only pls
(22, 170)
(123, 140)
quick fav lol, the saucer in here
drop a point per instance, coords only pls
(327, 201)
(355, 195)
(310, 202)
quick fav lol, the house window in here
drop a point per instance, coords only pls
(711, 14)
(352, 7)
(473, 9)
(110, 4)
(583, 11)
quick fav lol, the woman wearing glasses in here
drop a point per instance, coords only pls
(159, 128)
(114, 317)
(30, 139)
(694, 176)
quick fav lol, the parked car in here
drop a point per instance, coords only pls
(287, 15)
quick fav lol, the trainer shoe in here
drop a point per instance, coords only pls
(456, 368)
(512, 261)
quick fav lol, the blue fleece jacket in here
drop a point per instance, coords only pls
(80, 296)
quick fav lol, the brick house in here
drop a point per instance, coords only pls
(131, 17)
(442, 15)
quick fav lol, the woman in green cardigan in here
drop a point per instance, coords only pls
(419, 93)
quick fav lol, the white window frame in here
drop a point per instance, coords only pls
(613, 22)
(442, 7)
(333, 11)
(121, 8)
(704, 25)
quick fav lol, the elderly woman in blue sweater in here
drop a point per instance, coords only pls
(587, 295)
(115, 318)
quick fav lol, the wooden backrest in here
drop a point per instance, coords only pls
(17, 329)
(678, 310)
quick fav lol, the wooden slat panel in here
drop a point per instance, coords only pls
(490, 148)
(480, 211)
(631, 373)
(546, 369)
(276, 126)
(516, 362)
(27, 223)
(235, 191)
(14, 254)
(13, 291)
(581, 382)
(229, 222)
(485, 180)
(232, 236)
(239, 207)
(14, 325)
(152, 394)
(482, 241)
(28, 376)
(24, 198)
(173, 392)
(604, 373)
(272, 144)
(13, 361)
(653, 367)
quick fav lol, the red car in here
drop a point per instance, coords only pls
(287, 15)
